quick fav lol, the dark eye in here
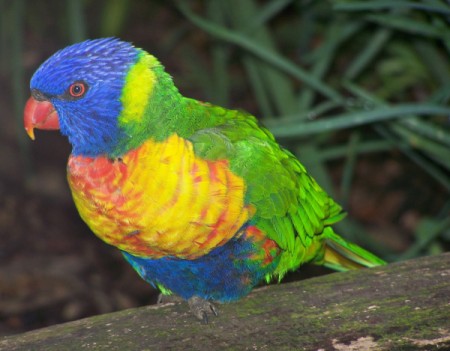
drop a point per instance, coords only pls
(77, 89)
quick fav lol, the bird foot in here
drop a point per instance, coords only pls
(200, 308)
(162, 299)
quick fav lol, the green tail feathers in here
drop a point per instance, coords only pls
(342, 255)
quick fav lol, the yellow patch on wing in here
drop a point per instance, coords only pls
(160, 200)
(139, 84)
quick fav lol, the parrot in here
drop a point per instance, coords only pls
(201, 200)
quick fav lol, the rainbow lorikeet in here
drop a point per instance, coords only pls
(201, 200)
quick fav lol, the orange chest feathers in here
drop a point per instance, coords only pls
(159, 200)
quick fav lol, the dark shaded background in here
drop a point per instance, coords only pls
(52, 268)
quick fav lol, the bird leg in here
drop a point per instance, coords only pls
(162, 299)
(200, 308)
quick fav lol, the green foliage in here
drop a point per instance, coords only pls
(373, 72)
(114, 16)
(11, 46)
(377, 70)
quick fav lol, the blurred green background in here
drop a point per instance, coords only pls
(359, 90)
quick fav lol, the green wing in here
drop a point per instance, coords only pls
(291, 207)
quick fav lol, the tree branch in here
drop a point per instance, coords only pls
(402, 306)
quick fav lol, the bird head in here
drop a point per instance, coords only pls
(96, 92)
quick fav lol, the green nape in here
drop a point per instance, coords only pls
(153, 108)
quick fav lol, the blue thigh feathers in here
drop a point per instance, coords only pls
(225, 274)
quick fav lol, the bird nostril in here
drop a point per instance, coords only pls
(39, 95)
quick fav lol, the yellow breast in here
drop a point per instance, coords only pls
(160, 200)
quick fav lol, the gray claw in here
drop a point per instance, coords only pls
(200, 308)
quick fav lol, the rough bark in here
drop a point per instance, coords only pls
(402, 306)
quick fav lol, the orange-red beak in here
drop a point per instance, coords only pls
(41, 115)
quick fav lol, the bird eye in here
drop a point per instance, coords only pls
(77, 89)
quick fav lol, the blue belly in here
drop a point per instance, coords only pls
(225, 274)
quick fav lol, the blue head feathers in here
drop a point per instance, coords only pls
(84, 83)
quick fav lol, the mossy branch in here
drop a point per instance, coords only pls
(402, 306)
